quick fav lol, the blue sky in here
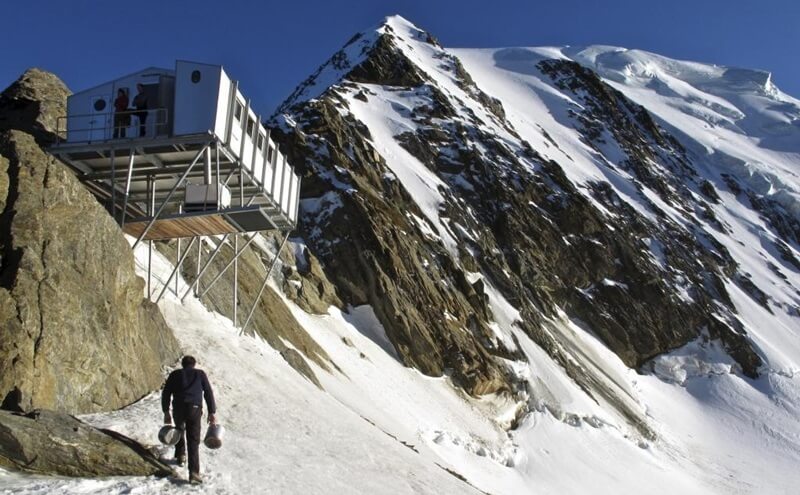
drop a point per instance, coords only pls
(272, 46)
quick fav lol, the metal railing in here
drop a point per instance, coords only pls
(93, 127)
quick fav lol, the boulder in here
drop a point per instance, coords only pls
(52, 443)
(34, 103)
(308, 286)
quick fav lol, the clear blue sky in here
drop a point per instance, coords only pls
(272, 46)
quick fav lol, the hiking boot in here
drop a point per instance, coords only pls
(180, 460)
(195, 479)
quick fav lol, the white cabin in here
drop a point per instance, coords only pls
(194, 162)
(192, 100)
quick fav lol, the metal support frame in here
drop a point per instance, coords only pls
(150, 207)
(178, 253)
(207, 168)
(216, 181)
(199, 258)
(127, 187)
(113, 209)
(177, 259)
(175, 270)
(196, 284)
(172, 191)
(236, 254)
(264, 284)
(236, 279)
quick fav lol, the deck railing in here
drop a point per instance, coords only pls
(93, 127)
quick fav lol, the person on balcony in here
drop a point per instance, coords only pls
(122, 118)
(140, 103)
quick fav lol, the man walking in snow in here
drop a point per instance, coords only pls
(188, 387)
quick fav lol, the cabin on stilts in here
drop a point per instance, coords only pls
(181, 154)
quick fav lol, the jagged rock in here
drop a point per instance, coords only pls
(3, 182)
(376, 255)
(386, 65)
(34, 103)
(47, 442)
(296, 361)
(539, 240)
(77, 335)
(308, 286)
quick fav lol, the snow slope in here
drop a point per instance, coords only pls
(733, 122)
(382, 428)
(283, 435)
(378, 427)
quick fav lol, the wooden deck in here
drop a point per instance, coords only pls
(188, 225)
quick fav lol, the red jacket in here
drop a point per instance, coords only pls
(121, 103)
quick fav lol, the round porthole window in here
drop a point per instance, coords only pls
(99, 105)
(195, 76)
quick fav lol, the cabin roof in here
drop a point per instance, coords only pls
(158, 70)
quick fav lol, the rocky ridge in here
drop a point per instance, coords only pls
(506, 217)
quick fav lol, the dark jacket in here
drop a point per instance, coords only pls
(188, 385)
(140, 101)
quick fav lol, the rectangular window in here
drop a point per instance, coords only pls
(237, 111)
(270, 151)
(261, 141)
(251, 125)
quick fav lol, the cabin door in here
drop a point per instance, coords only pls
(100, 121)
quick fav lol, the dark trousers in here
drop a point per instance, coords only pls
(142, 115)
(121, 122)
(188, 418)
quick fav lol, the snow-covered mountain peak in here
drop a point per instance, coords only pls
(570, 207)
(400, 26)
(394, 32)
(611, 61)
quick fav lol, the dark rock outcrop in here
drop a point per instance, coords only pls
(34, 103)
(77, 335)
(46, 442)
(373, 251)
(307, 285)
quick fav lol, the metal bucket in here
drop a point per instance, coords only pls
(213, 439)
(169, 435)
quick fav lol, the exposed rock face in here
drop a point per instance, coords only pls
(34, 103)
(296, 361)
(77, 335)
(305, 283)
(46, 442)
(375, 253)
(515, 217)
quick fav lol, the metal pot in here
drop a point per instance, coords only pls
(169, 435)
(213, 439)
